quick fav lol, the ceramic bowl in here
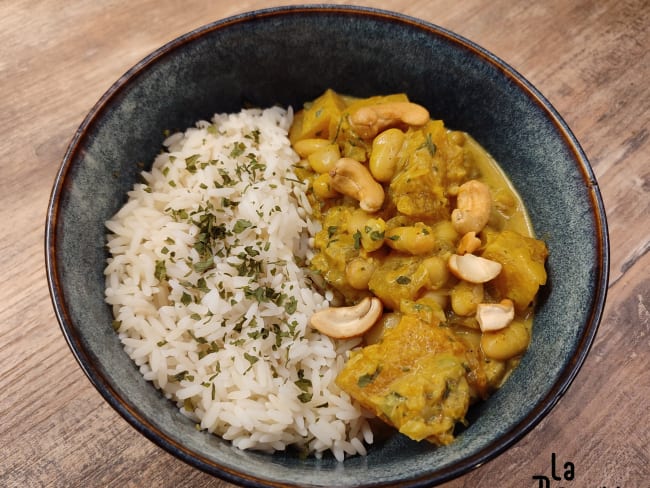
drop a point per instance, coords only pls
(288, 56)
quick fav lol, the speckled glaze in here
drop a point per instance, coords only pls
(287, 56)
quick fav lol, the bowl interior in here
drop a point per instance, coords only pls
(288, 56)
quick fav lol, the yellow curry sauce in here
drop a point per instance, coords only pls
(393, 228)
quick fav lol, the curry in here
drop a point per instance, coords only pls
(429, 251)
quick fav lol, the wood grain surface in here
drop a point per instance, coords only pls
(589, 58)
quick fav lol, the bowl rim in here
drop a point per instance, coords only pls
(454, 470)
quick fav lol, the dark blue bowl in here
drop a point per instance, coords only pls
(288, 56)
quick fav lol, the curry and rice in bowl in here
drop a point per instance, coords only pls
(284, 279)
(327, 287)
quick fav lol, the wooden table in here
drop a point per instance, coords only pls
(590, 58)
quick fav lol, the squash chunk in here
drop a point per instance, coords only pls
(523, 269)
(320, 119)
(418, 189)
(414, 379)
(398, 278)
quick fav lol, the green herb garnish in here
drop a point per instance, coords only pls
(366, 379)
(241, 225)
(403, 280)
(160, 271)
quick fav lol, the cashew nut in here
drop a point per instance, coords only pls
(346, 322)
(473, 207)
(369, 120)
(468, 243)
(495, 316)
(474, 269)
(352, 178)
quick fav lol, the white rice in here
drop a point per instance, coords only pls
(234, 352)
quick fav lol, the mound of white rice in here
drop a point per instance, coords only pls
(210, 298)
